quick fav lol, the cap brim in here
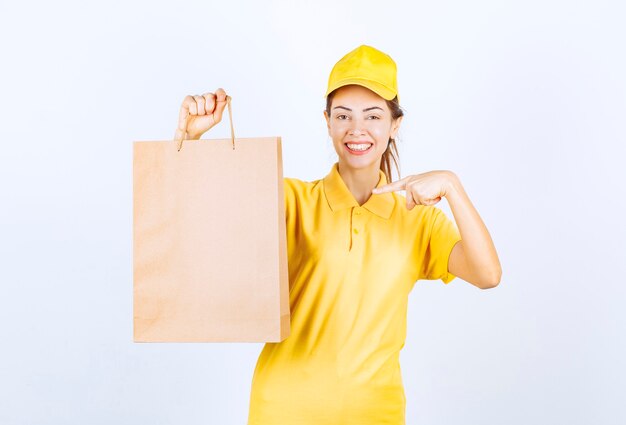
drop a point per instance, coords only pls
(381, 90)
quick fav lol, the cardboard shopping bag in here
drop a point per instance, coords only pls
(209, 241)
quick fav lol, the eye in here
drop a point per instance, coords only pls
(374, 117)
(342, 115)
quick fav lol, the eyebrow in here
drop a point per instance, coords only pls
(364, 110)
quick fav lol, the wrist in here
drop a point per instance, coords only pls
(453, 183)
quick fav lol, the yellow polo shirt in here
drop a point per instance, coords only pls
(351, 269)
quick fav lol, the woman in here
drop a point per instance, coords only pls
(356, 249)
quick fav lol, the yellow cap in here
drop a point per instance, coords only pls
(367, 67)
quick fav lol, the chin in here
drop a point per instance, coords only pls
(369, 160)
(359, 163)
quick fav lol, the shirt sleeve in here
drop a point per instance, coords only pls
(290, 190)
(443, 236)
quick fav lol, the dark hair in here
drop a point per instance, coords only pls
(391, 153)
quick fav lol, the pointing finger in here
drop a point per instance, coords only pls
(391, 187)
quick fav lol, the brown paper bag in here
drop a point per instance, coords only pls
(209, 241)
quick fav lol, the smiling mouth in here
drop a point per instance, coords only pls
(358, 147)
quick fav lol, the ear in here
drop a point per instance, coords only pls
(395, 125)
(327, 121)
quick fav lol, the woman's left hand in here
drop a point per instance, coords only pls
(421, 189)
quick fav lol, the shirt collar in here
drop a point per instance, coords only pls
(339, 196)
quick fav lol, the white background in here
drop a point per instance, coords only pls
(524, 100)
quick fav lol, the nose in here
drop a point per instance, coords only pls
(355, 132)
(358, 126)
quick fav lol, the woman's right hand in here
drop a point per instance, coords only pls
(199, 113)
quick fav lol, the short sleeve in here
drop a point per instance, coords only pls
(292, 189)
(443, 236)
(288, 194)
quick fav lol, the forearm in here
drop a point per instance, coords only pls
(480, 253)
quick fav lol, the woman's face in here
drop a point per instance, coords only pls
(359, 118)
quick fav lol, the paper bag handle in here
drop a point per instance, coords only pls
(230, 118)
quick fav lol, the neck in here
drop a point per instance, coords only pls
(360, 181)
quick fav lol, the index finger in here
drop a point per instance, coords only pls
(391, 187)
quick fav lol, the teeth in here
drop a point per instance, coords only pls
(359, 147)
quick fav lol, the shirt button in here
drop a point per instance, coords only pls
(355, 231)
